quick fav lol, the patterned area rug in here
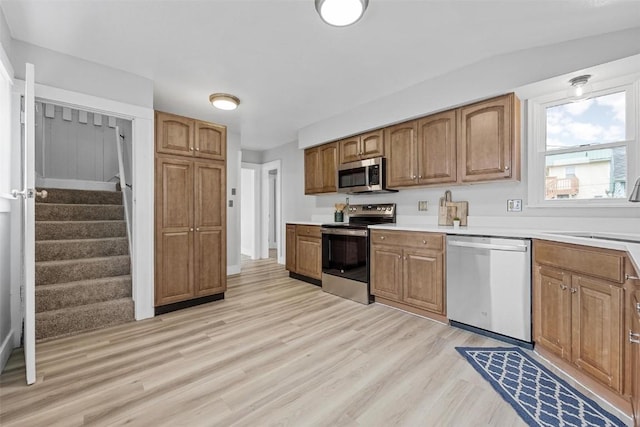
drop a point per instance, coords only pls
(539, 396)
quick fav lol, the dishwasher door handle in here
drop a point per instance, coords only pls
(490, 246)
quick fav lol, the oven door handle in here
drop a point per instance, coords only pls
(342, 232)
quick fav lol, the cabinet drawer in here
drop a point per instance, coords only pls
(308, 230)
(603, 263)
(411, 239)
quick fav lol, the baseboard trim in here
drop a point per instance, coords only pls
(186, 304)
(75, 184)
(233, 269)
(6, 349)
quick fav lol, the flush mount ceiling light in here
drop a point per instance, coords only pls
(224, 101)
(341, 13)
(580, 86)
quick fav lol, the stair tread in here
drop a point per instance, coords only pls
(86, 281)
(90, 239)
(85, 221)
(88, 205)
(86, 307)
(79, 260)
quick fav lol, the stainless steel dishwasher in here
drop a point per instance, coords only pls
(489, 286)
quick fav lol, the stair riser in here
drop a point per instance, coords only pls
(77, 319)
(51, 212)
(82, 270)
(56, 297)
(51, 250)
(80, 230)
(55, 195)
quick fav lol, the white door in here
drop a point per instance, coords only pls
(27, 193)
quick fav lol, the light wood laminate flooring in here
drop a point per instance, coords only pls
(276, 351)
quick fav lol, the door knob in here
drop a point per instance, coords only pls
(42, 194)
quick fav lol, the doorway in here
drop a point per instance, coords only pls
(260, 211)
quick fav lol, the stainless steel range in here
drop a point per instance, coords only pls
(345, 251)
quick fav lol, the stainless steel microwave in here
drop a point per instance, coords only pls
(364, 176)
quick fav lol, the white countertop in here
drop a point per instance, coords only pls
(581, 237)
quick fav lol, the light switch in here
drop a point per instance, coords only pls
(230, 203)
(423, 205)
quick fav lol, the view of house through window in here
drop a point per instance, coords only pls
(586, 148)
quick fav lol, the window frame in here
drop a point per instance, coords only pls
(536, 138)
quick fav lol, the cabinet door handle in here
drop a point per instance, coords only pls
(191, 229)
(381, 237)
(413, 177)
(190, 148)
(574, 290)
(629, 277)
(197, 228)
(419, 176)
(563, 287)
(405, 257)
(424, 242)
(197, 148)
(506, 168)
(638, 307)
(634, 338)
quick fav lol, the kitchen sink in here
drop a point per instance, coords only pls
(600, 236)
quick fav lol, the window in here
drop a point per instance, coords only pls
(583, 153)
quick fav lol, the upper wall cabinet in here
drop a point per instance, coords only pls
(320, 169)
(188, 137)
(401, 152)
(489, 134)
(478, 142)
(360, 147)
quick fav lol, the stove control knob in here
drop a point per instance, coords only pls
(379, 208)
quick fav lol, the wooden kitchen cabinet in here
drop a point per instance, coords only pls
(190, 211)
(437, 148)
(634, 343)
(401, 153)
(579, 317)
(554, 317)
(386, 272)
(320, 169)
(304, 252)
(361, 147)
(408, 268)
(290, 257)
(309, 251)
(489, 144)
(189, 137)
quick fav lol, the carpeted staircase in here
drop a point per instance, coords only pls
(83, 268)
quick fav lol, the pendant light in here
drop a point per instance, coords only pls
(341, 13)
(224, 101)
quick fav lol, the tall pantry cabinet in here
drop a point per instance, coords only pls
(190, 212)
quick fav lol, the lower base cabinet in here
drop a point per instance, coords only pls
(634, 342)
(580, 314)
(408, 268)
(304, 251)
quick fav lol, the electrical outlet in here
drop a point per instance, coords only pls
(423, 206)
(514, 205)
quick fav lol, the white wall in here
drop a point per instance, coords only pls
(233, 213)
(248, 214)
(75, 150)
(6, 74)
(295, 205)
(75, 74)
(484, 79)
(502, 74)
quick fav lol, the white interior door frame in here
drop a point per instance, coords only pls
(142, 178)
(266, 167)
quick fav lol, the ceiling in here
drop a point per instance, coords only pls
(289, 68)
